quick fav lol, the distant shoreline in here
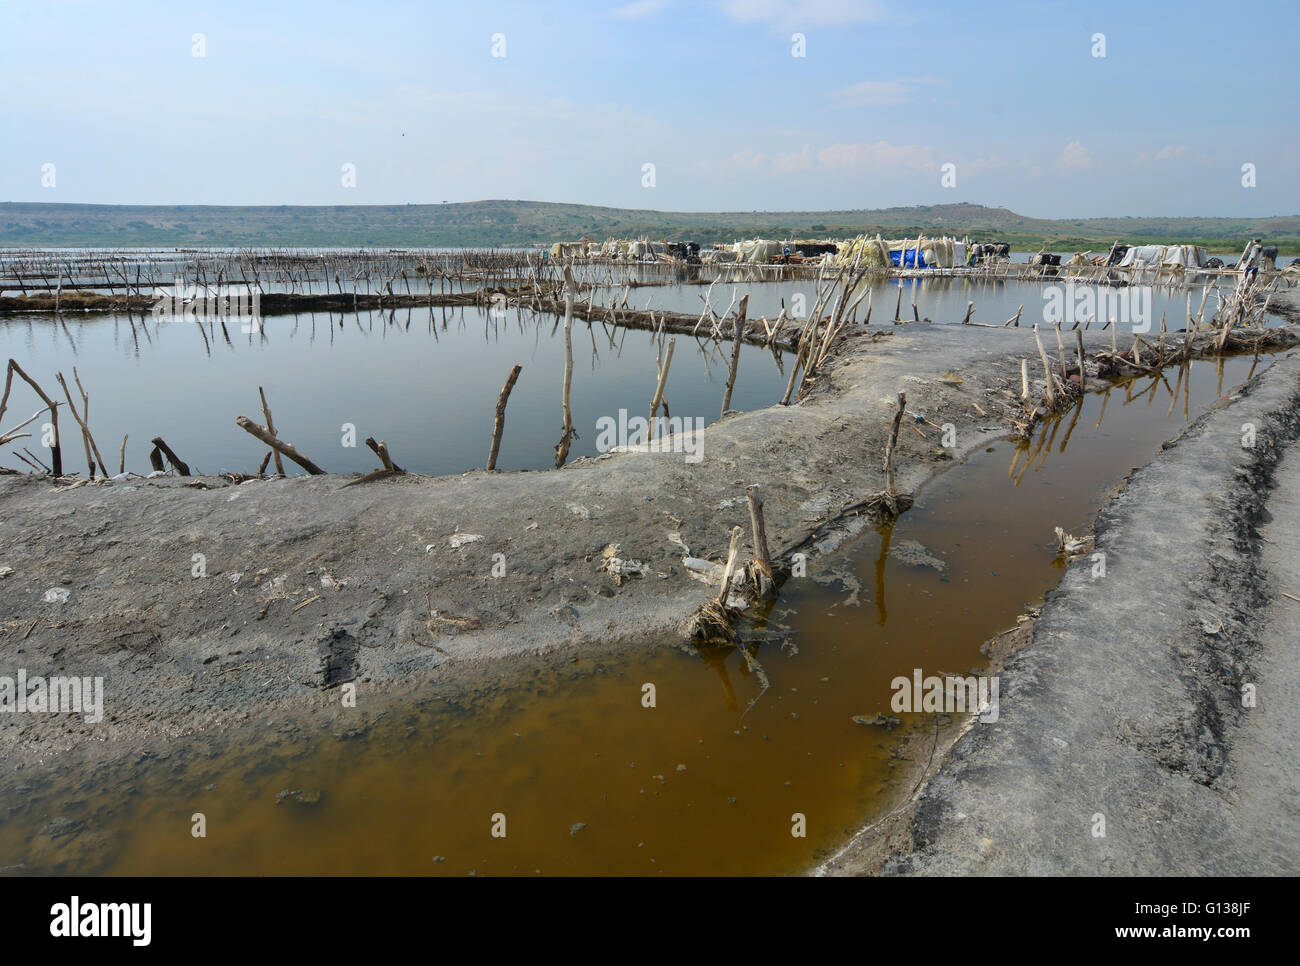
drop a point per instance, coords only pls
(501, 224)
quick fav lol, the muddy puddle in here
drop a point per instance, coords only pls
(424, 380)
(588, 780)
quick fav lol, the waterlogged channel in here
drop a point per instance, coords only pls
(564, 758)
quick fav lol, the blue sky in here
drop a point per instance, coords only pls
(706, 91)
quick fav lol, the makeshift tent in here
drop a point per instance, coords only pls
(1141, 256)
(758, 251)
(1185, 256)
(878, 253)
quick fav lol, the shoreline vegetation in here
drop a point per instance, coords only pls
(530, 223)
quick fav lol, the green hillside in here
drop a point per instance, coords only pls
(505, 223)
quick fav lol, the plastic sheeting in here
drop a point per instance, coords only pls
(758, 251)
(1149, 256)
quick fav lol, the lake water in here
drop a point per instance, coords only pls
(424, 380)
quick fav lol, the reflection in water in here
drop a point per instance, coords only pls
(391, 374)
(886, 535)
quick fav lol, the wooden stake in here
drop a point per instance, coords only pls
(658, 399)
(889, 454)
(731, 566)
(500, 424)
(56, 451)
(87, 440)
(762, 558)
(380, 449)
(562, 447)
(270, 428)
(181, 466)
(253, 429)
(737, 342)
(1047, 368)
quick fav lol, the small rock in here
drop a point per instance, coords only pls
(311, 797)
(879, 720)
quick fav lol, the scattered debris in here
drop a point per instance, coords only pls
(619, 568)
(1073, 546)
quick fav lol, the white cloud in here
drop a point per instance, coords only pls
(789, 163)
(639, 9)
(872, 94)
(1168, 152)
(860, 158)
(1075, 155)
(882, 154)
(796, 14)
(879, 93)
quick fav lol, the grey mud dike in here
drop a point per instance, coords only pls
(1122, 705)
(1126, 707)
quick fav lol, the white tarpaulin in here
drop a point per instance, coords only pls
(1140, 255)
(758, 251)
(1184, 256)
(1188, 256)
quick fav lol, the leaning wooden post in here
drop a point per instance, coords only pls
(159, 446)
(737, 342)
(1047, 368)
(732, 551)
(253, 429)
(380, 449)
(562, 447)
(270, 428)
(758, 527)
(500, 423)
(56, 451)
(661, 385)
(1024, 379)
(889, 454)
(85, 433)
(970, 310)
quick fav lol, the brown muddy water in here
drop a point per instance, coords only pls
(587, 779)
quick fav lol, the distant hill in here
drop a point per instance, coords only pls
(508, 223)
